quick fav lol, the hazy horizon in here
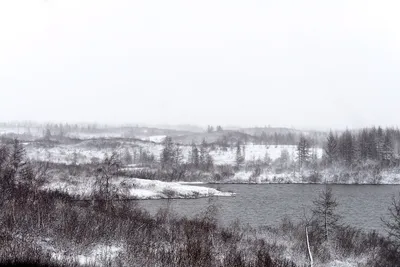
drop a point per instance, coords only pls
(297, 64)
(189, 127)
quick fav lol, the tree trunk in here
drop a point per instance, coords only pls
(309, 249)
(326, 226)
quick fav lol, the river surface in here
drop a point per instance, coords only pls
(361, 206)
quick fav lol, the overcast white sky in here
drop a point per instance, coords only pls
(281, 63)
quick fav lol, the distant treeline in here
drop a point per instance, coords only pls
(369, 144)
(315, 138)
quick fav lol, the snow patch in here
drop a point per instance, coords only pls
(133, 188)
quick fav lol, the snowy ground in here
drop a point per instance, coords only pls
(91, 256)
(86, 152)
(256, 152)
(95, 150)
(133, 188)
(334, 176)
(153, 138)
(291, 251)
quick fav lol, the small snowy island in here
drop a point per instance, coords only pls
(133, 188)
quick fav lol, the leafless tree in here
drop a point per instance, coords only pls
(104, 174)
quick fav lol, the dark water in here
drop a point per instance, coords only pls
(360, 205)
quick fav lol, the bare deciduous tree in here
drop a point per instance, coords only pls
(104, 174)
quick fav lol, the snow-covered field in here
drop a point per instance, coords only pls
(132, 188)
(256, 152)
(86, 153)
(90, 151)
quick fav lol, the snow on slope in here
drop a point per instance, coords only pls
(153, 138)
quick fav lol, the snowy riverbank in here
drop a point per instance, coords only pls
(330, 176)
(133, 188)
